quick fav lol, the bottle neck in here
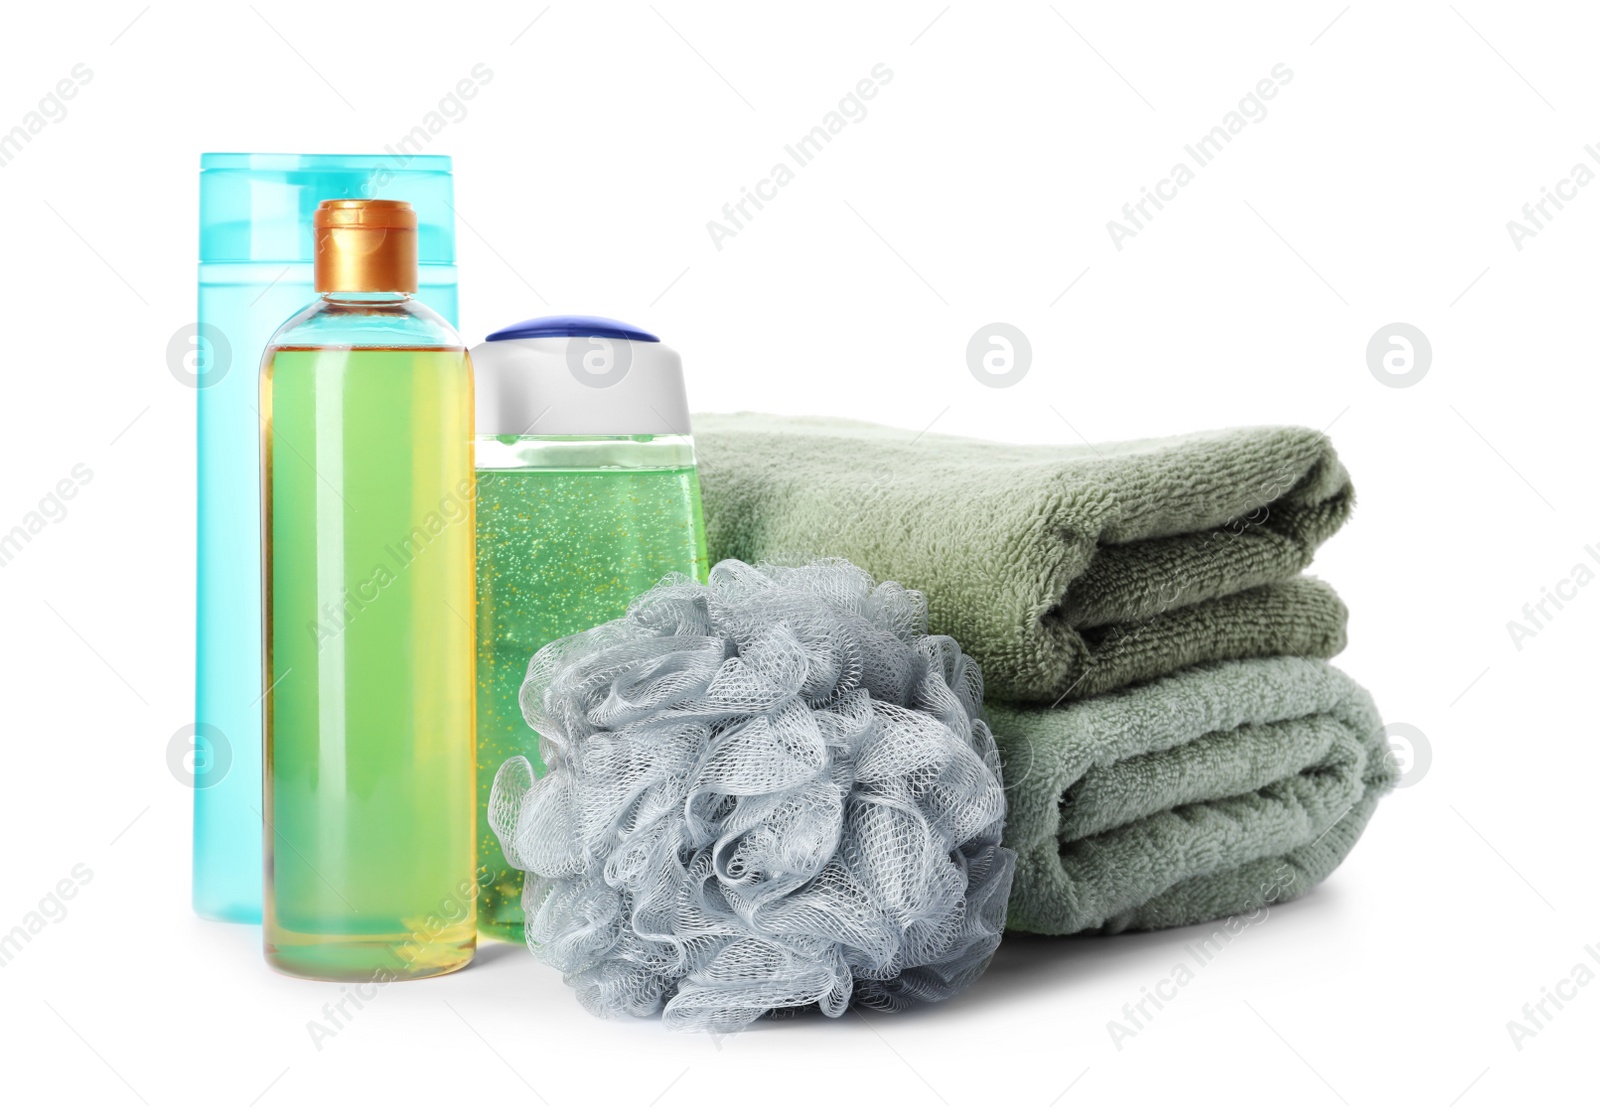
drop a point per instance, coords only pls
(365, 297)
(367, 318)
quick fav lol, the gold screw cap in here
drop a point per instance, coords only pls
(365, 246)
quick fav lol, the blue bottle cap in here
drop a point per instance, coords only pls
(576, 325)
(258, 207)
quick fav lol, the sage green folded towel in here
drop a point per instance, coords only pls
(1211, 792)
(1063, 570)
(1200, 758)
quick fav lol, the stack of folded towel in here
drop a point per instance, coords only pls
(1175, 746)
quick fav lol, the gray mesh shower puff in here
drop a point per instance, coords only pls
(773, 791)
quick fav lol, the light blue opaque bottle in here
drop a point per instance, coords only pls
(255, 272)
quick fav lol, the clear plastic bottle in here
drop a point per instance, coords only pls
(366, 403)
(587, 496)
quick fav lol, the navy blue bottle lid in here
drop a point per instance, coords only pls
(575, 325)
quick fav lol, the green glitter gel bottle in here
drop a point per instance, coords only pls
(587, 496)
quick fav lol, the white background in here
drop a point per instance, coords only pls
(977, 189)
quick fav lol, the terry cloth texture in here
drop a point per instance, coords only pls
(1062, 570)
(1190, 756)
(1211, 792)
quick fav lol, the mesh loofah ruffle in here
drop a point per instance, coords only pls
(771, 792)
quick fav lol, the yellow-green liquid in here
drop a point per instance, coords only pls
(369, 792)
(560, 550)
